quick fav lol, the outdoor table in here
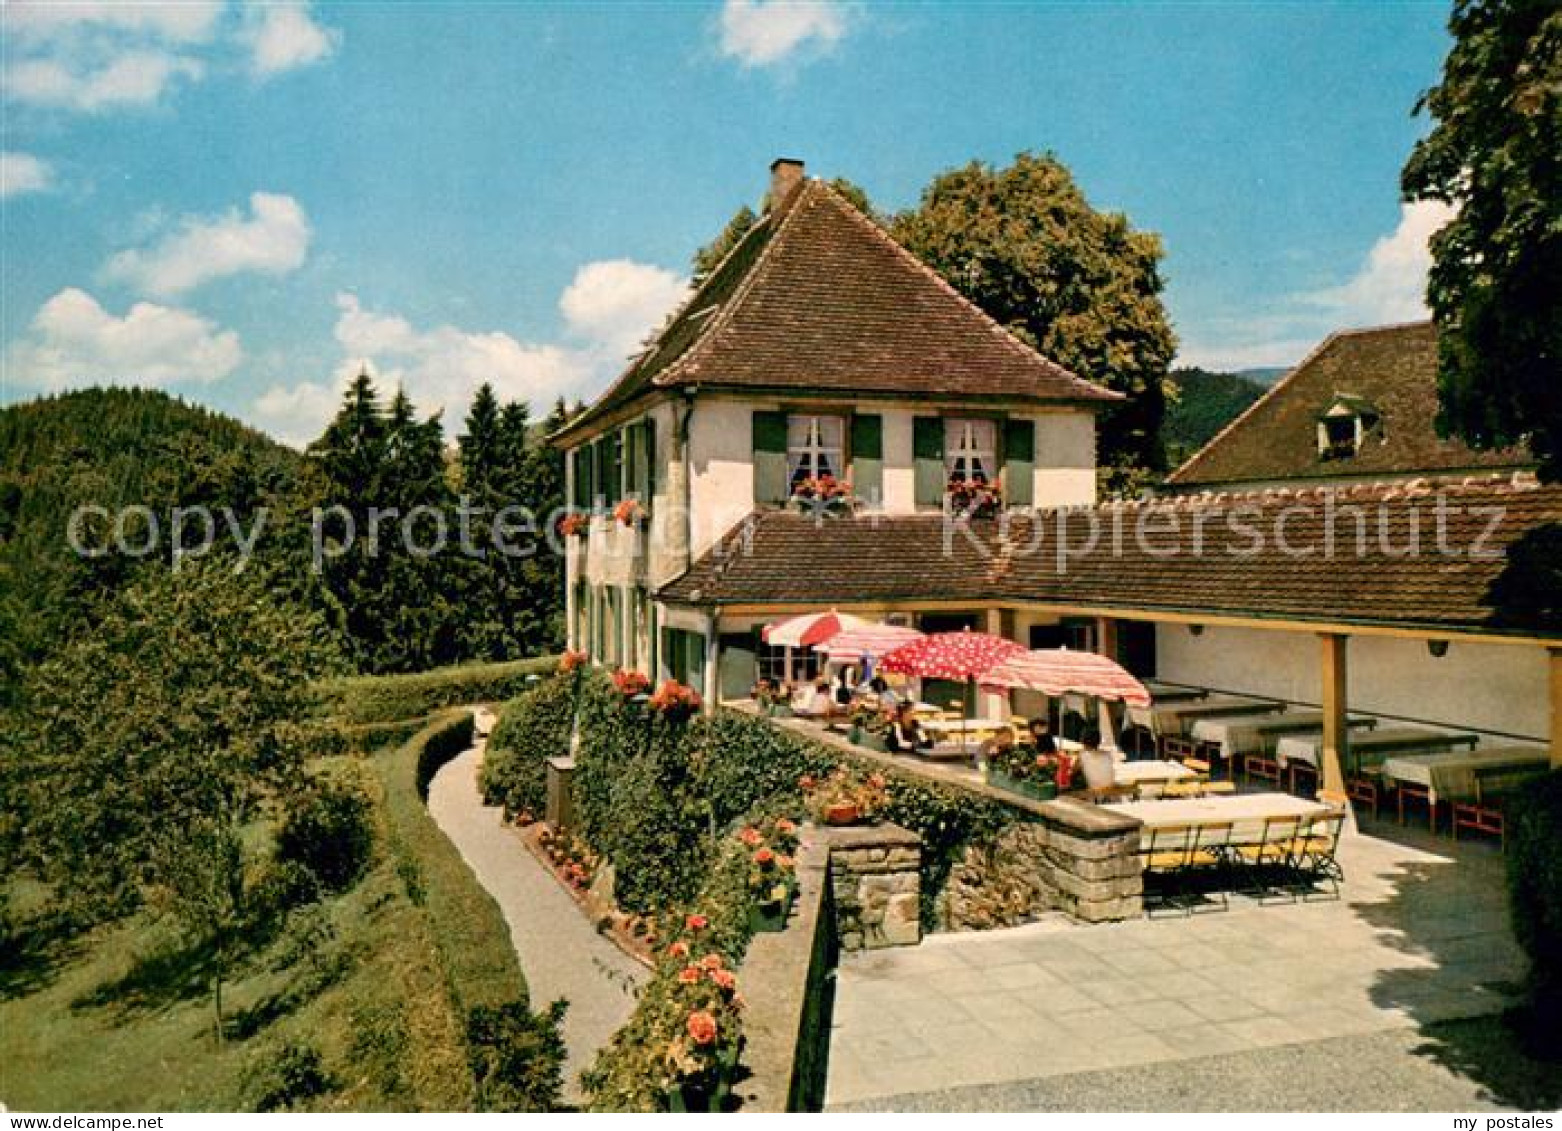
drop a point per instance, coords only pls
(1246, 812)
(1149, 771)
(1371, 749)
(1166, 693)
(1253, 735)
(1173, 718)
(971, 728)
(1450, 776)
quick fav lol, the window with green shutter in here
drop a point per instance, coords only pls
(580, 465)
(769, 446)
(613, 467)
(867, 452)
(1019, 460)
(649, 447)
(927, 453)
(634, 468)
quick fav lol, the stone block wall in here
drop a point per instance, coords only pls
(1068, 856)
(876, 885)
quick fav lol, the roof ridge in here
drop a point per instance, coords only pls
(1004, 334)
(1270, 394)
(778, 217)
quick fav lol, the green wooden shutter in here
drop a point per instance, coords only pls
(770, 485)
(927, 453)
(867, 449)
(1019, 458)
(580, 470)
(634, 460)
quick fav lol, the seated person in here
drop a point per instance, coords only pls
(1041, 736)
(841, 687)
(1096, 764)
(763, 691)
(905, 733)
(885, 693)
(813, 698)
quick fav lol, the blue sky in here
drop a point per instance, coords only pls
(240, 204)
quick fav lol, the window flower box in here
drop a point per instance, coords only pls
(973, 498)
(823, 495)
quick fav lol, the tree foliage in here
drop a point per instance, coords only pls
(1081, 286)
(1495, 154)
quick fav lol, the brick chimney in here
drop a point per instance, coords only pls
(786, 173)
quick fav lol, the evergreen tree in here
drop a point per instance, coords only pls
(481, 444)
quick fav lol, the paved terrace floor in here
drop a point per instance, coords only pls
(1316, 1006)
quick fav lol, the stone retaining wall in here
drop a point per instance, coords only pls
(876, 884)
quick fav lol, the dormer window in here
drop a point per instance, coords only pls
(1345, 426)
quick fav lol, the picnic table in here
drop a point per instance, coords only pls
(1239, 734)
(1450, 775)
(1369, 750)
(1247, 812)
(971, 728)
(1173, 718)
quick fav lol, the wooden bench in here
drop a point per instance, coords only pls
(1494, 789)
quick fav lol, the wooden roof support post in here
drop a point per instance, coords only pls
(1556, 707)
(1336, 735)
(1106, 637)
(993, 704)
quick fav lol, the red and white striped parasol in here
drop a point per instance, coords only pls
(1058, 671)
(853, 644)
(962, 656)
(809, 629)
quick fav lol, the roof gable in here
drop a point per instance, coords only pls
(816, 297)
(1388, 370)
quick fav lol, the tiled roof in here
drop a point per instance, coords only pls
(793, 559)
(1391, 368)
(818, 298)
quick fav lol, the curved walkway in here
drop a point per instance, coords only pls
(561, 955)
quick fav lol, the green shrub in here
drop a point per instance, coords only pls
(359, 700)
(532, 728)
(517, 1056)
(284, 1078)
(329, 831)
(441, 745)
(1535, 882)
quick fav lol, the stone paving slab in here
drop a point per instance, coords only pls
(1417, 938)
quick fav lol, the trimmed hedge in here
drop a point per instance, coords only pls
(444, 741)
(1535, 882)
(531, 729)
(359, 700)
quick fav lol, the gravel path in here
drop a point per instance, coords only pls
(561, 954)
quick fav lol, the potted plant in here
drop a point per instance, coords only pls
(870, 727)
(845, 797)
(573, 524)
(675, 701)
(772, 873)
(629, 512)
(1026, 771)
(822, 495)
(631, 683)
(703, 1026)
(973, 498)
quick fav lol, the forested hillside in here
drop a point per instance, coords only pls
(1204, 403)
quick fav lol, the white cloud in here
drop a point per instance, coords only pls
(22, 173)
(442, 366)
(297, 414)
(273, 240)
(73, 342)
(1389, 286)
(189, 21)
(617, 303)
(282, 36)
(92, 57)
(762, 33)
(134, 78)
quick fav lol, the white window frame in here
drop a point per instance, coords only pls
(966, 444)
(804, 454)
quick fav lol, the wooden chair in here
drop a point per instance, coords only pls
(1263, 767)
(1313, 855)
(1268, 862)
(1202, 769)
(1295, 771)
(1365, 790)
(1165, 855)
(1209, 858)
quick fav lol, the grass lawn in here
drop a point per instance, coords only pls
(377, 980)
